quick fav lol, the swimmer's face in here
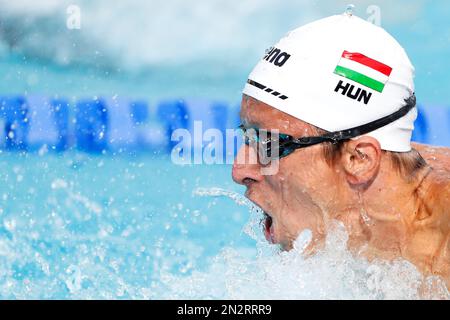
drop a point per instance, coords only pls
(295, 197)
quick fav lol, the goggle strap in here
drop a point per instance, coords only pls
(368, 127)
(336, 136)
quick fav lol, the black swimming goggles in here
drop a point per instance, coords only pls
(272, 145)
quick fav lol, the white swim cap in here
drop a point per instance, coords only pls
(338, 73)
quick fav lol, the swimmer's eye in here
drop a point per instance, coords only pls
(262, 136)
(268, 144)
(250, 135)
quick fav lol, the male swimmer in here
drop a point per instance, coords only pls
(340, 93)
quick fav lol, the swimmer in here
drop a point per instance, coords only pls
(338, 96)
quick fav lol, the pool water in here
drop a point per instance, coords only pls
(83, 226)
(94, 227)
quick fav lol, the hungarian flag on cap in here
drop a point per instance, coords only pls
(364, 70)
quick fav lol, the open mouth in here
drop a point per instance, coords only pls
(267, 226)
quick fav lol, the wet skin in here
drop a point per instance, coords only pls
(386, 215)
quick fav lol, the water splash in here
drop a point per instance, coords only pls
(253, 227)
(219, 192)
(332, 273)
(349, 10)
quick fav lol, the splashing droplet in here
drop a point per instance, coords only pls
(349, 10)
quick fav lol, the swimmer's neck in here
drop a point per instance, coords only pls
(381, 220)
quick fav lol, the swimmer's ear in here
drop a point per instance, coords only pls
(361, 160)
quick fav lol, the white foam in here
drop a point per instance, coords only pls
(332, 273)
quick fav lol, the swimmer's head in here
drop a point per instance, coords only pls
(338, 73)
(334, 74)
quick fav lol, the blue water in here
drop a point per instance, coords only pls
(77, 226)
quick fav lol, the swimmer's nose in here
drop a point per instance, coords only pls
(245, 167)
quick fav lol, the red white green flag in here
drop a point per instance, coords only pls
(364, 70)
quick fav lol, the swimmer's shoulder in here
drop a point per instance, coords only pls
(437, 157)
(441, 213)
(438, 198)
